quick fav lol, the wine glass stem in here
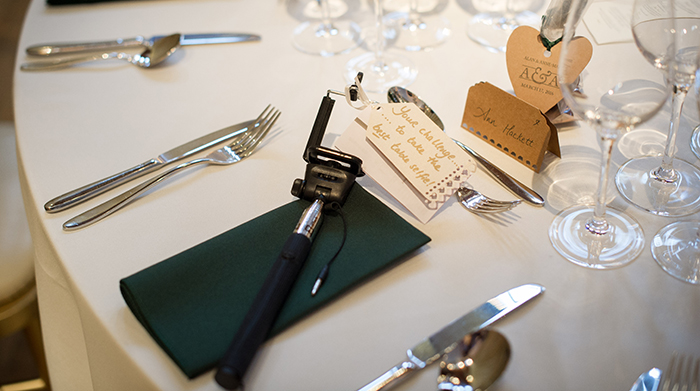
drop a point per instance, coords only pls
(413, 16)
(666, 173)
(325, 15)
(597, 224)
(379, 47)
(508, 11)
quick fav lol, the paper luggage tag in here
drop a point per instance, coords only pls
(418, 149)
(512, 125)
(379, 169)
(533, 69)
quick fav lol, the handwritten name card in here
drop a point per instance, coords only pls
(418, 149)
(510, 124)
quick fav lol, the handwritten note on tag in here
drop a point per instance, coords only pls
(418, 149)
(510, 124)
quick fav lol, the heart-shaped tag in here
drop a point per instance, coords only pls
(533, 69)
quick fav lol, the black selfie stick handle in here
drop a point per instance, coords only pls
(320, 124)
(268, 302)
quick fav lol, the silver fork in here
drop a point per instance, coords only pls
(241, 147)
(683, 374)
(478, 203)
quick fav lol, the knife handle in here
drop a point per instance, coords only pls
(82, 47)
(510, 183)
(390, 376)
(87, 192)
(263, 312)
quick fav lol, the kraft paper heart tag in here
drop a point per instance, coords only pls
(533, 69)
(510, 124)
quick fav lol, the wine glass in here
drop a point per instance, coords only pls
(416, 31)
(327, 37)
(676, 248)
(667, 32)
(492, 28)
(620, 90)
(381, 70)
(695, 138)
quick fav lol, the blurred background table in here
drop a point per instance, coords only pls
(591, 329)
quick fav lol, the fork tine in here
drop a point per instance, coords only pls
(244, 137)
(268, 126)
(476, 202)
(683, 373)
(252, 142)
(491, 203)
(695, 380)
(487, 208)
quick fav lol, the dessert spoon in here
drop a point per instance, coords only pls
(150, 57)
(478, 360)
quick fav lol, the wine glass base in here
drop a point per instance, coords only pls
(622, 244)
(676, 248)
(394, 70)
(425, 32)
(636, 184)
(326, 40)
(492, 30)
(695, 142)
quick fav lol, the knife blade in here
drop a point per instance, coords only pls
(432, 348)
(91, 190)
(52, 49)
(508, 181)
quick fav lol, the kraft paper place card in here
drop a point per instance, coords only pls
(427, 166)
(533, 70)
(510, 124)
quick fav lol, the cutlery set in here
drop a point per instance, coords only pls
(244, 139)
(155, 49)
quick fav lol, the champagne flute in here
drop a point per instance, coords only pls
(381, 69)
(326, 38)
(620, 90)
(416, 31)
(667, 32)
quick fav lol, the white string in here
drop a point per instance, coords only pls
(361, 95)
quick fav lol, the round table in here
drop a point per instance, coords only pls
(591, 329)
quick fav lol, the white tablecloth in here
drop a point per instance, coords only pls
(593, 330)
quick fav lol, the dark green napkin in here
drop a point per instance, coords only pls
(193, 303)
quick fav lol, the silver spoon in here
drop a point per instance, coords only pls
(477, 361)
(401, 95)
(152, 56)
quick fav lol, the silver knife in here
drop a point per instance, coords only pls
(49, 49)
(432, 348)
(508, 181)
(87, 192)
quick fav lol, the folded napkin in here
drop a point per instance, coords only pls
(193, 303)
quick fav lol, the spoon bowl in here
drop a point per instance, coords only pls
(477, 361)
(152, 56)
